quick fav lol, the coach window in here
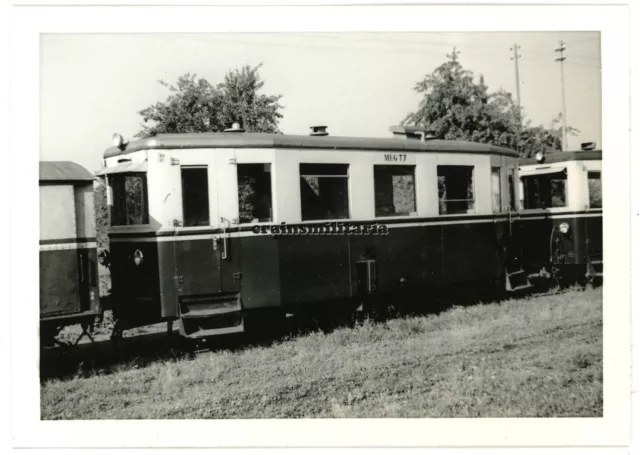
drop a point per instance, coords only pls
(455, 190)
(496, 190)
(254, 193)
(130, 206)
(545, 190)
(195, 196)
(324, 191)
(395, 190)
(512, 192)
(595, 190)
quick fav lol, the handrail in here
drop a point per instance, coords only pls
(223, 220)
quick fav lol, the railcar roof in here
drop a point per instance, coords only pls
(266, 140)
(63, 171)
(560, 157)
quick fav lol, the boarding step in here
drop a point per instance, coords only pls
(595, 268)
(518, 281)
(198, 306)
(212, 325)
(520, 288)
(212, 332)
(211, 315)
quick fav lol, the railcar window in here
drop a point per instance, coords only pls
(545, 190)
(455, 189)
(129, 199)
(496, 190)
(512, 192)
(254, 193)
(395, 192)
(324, 191)
(595, 190)
(195, 196)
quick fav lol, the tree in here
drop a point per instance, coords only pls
(534, 139)
(455, 106)
(197, 106)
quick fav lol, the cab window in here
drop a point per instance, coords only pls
(595, 190)
(195, 196)
(496, 190)
(130, 203)
(544, 191)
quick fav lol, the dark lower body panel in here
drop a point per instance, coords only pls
(268, 276)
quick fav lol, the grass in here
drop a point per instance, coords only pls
(535, 357)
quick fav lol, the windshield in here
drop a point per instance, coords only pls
(542, 191)
(130, 206)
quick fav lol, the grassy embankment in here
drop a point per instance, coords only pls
(539, 356)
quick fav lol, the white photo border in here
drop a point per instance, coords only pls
(28, 431)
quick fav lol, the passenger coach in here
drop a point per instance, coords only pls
(68, 267)
(561, 220)
(210, 229)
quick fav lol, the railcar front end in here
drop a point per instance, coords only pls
(561, 218)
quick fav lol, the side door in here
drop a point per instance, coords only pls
(248, 200)
(196, 246)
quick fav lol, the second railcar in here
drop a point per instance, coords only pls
(561, 219)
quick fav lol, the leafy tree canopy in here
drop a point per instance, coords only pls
(533, 139)
(197, 106)
(455, 106)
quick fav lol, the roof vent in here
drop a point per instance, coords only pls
(412, 132)
(588, 146)
(319, 130)
(235, 128)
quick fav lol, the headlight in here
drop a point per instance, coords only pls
(117, 140)
(137, 257)
(564, 228)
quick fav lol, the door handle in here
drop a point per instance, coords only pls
(223, 255)
(224, 221)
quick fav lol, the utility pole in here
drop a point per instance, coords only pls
(515, 58)
(561, 58)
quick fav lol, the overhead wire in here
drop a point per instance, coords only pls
(375, 44)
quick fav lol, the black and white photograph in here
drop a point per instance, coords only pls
(326, 226)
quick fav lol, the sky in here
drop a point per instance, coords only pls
(358, 84)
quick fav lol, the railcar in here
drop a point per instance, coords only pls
(560, 224)
(221, 230)
(68, 268)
